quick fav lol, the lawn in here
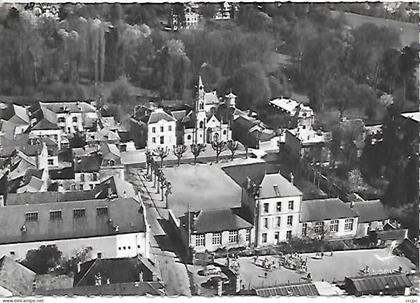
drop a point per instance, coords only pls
(204, 186)
(331, 268)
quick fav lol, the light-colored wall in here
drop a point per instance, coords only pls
(363, 228)
(225, 241)
(106, 172)
(54, 134)
(342, 233)
(169, 135)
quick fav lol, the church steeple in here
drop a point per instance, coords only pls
(200, 96)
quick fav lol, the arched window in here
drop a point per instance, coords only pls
(111, 162)
(189, 137)
(201, 124)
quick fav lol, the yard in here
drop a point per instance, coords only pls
(331, 268)
(204, 186)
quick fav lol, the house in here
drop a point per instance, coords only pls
(44, 124)
(86, 172)
(113, 228)
(382, 284)
(15, 279)
(64, 178)
(308, 289)
(373, 215)
(303, 113)
(191, 18)
(111, 164)
(275, 205)
(327, 218)
(250, 131)
(104, 135)
(161, 128)
(114, 187)
(209, 230)
(138, 132)
(15, 120)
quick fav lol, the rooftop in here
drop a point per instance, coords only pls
(72, 106)
(15, 277)
(275, 185)
(160, 114)
(325, 209)
(376, 283)
(415, 116)
(124, 213)
(369, 211)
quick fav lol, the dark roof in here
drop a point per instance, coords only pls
(123, 212)
(66, 173)
(275, 185)
(303, 289)
(48, 197)
(397, 234)
(325, 209)
(217, 220)
(255, 171)
(117, 270)
(369, 211)
(376, 283)
(87, 164)
(15, 277)
(158, 115)
(71, 106)
(121, 289)
(51, 281)
(118, 186)
(44, 124)
(410, 250)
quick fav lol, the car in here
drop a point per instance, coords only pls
(214, 281)
(211, 270)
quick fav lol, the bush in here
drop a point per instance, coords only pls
(120, 91)
(43, 260)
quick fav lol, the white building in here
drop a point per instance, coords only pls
(304, 114)
(191, 18)
(373, 216)
(161, 130)
(112, 228)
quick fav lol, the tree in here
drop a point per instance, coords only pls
(120, 93)
(179, 151)
(162, 153)
(43, 260)
(218, 147)
(319, 231)
(149, 159)
(168, 191)
(80, 256)
(208, 10)
(233, 147)
(196, 150)
(341, 93)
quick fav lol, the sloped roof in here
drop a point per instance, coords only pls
(301, 289)
(22, 113)
(48, 197)
(275, 185)
(89, 164)
(376, 283)
(108, 148)
(217, 220)
(66, 173)
(255, 171)
(397, 234)
(103, 135)
(325, 209)
(118, 186)
(210, 98)
(34, 185)
(45, 124)
(160, 114)
(72, 106)
(15, 277)
(415, 116)
(124, 212)
(179, 114)
(369, 211)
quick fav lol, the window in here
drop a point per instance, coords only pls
(95, 177)
(278, 221)
(290, 220)
(99, 255)
(264, 238)
(153, 129)
(50, 162)
(102, 211)
(119, 248)
(248, 235)
(319, 227)
(55, 215)
(266, 207)
(291, 205)
(91, 186)
(304, 229)
(201, 124)
(189, 137)
(31, 217)
(200, 240)
(80, 186)
(124, 247)
(61, 120)
(348, 224)
(233, 236)
(161, 129)
(138, 246)
(288, 234)
(79, 213)
(334, 225)
(154, 140)
(82, 177)
(170, 127)
(224, 132)
(277, 237)
(162, 139)
(266, 222)
(129, 247)
(74, 119)
(217, 238)
(12, 253)
(278, 206)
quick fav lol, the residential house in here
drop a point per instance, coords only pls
(373, 216)
(191, 18)
(161, 128)
(44, 124)
(225, 11)
(275, 205)
(113, 228)
(250, 131)
(111, 164)
(208, 230)
(327, 218)
(87, 172)
(308, 289)
(104, 135)
(383, 284)
(138, 132)
(303, 113)
(15, 120)
(15, 279)
(63, 179)
(114, 187)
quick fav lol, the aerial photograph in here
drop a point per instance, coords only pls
(207, 149)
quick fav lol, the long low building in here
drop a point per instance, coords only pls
(113, 228)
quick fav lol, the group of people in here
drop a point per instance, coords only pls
(294, 261)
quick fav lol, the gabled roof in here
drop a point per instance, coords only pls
(275, 185)
(107, 148)
(34, 185)
(15, 277)
(376, 283)
(103, 135)
(369, 211)
(66, 173)
(159, 114)
(72, 107)
(124, 213)
(325, 209)
(48, 197)
(45, 124)
(21, 113)
(117, 186)
(301, 289)
(217, 220)
(179, 114)
(415, 116)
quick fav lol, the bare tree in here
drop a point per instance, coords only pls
(179, 151)
(149, 159)
(162, 153)
(233, 147)
(218, 147)
(168, 191)
(196, 150)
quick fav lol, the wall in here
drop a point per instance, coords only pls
(341, 232)
(169, 135)
(54, 134)
(225, 241)
(111, 171)
(292, 143)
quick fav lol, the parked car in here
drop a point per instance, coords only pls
(211, 270)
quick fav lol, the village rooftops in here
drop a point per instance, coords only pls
(72, 107)
(69, 220)
(325, 209)
(291, 106)
(159, 114)
(115, 185)
(15, 277)
(48, 197)
(374, 284)
(275, 185)
(415, 116)
(369, 211)
(88, 164)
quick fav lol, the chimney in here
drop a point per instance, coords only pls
(1, 200)
(219, 287)
(237, 283)
(78, 267)
(140, 276)
(292, 178)
(351, 204)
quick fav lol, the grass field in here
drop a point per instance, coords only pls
(203, 186)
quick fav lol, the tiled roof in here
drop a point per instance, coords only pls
(87, 164)
(158, 115)
(325, 209)
(123, 212)
(73, 107)
(255, 171)
(303, 289)
(34, 185)
(179, 114)
(369, 211)
(44, 124)
(275, 185)
(107, 148)
(376, 283)
(48, 197)
(15, 277)
(217, 220)
(397, 234)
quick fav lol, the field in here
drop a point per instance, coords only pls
(409, 31)
(203, 186)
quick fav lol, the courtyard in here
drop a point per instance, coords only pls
(330, 268)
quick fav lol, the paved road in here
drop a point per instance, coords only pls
(172, 271)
